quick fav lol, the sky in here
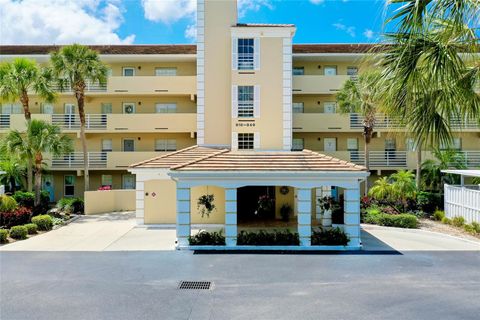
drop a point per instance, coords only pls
(173, 21)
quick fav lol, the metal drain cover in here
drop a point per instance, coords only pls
(195, 285)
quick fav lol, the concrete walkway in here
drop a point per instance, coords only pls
(118, 232)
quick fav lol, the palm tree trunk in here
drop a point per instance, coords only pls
(418, 177)
(367, 163)
(29, 175)
(12, 184)
(26, 107)
(81, 112)
(38, 179)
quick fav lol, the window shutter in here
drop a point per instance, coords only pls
(234, 53)
(234, 140)
(256, 53)
(234, 101)
(256, 140)
(256, 101)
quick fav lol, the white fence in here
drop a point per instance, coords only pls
(462, 202)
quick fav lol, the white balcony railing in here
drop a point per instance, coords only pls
(75, 160)
(91, 87)
(72, 121)
(4, 121)
(381, 159)
(471, 159)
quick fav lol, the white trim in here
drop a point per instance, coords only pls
(256, 140)
(287, 94)
(256, 53)
(234, 53)
(234, 101)
(234, 141)
(256, 101)
(274, 248)
(200, 72)
(128, 68)
(267, 32)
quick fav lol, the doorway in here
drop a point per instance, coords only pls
(255, 203)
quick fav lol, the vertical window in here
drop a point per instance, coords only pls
(165, 145)
(107, 145)
(69, 108)
(352, 144)
(330, 144)
(245, 101)
(166, 108)
(298, 71)
(12, 108)
(455, 145)
(159, 72)
(297, 107)
(297, 144)
(246, 52)
(390, 145)
(107, 180)
(106, 108)
(128, 107)
(47, 108)
(330, 107)
(330, 70)
(410, 144)
(69, 185)
(352, 71)
(128, 71)
(128, 145)
(245, 141)
(128, 181)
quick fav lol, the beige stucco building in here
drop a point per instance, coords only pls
(242, 89)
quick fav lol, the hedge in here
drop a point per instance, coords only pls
(18, 232)
(332, 237)
(44, 222)
(19, 216)
(31, 228)
(264, 238)
(3, 236)
(204, 238)
(404, 220)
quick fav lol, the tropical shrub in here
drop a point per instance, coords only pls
(264, 238)
(332, 237)
(18, 232)
(24, 199)
(429, 201)
(17, 217)
(446, 220)
(44, 222)
(476, 226)
(3, 235)
(470, 229)
(458, 221)
(404, 220)
(204, 238)
(31, 228)
(7, 203)
(71, 205)
(438, 215)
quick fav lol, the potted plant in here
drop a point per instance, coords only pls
(205, 204)
(285, 212)
(326, 204)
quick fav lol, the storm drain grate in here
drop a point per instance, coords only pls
(195, 285)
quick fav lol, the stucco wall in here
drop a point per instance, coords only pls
(97, 202)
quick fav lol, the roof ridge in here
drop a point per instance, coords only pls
(335, 159)
(199, 159)
(164, 156)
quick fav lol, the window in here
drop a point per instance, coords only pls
(69, 108)
(106, 108)
(410, 144)
(128, 145)
(47, 108)
(455, 145)
(165, 145)
(352, 144)
(352, 71)
(329, 107)
(245, 101)
(107, 180)
(107, 145)
(297, 107)
(298, 71)
(246, 54)
(12, 108)
(297, 144)
(330, 70)
(69, 185)
(390, 145)
(161, 72)
(166, 108)
(128, 107)
(245, 141)
(128, 71)
(330, 144)
(128, 181)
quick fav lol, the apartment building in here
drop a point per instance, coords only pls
(242, 87)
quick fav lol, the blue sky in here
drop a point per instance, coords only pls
(173, 21)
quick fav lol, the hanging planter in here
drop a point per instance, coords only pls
(205, 204)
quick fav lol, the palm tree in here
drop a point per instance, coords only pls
(361, 96)
(432, 177)
(13, 173)
(381, 189)
(20, 78)
(403, 186)
(41, 137)
(428, 77)
(76, 65)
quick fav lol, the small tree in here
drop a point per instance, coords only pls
(403, 186)
(381, 189)
(13, 173)
(42, 138)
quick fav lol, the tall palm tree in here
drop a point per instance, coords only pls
(403, 186)
(13, 173)
(74, 66)
(42, 138)
(20, 78)
(361, 96)
(428, 77)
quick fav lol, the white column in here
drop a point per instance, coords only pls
(140, 201)
(231, 217)
(304, 218)
(183, 216)
(318, 210)
(352, 215)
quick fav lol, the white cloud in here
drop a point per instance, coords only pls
(317, 1)
(61, 22)
(348, 29)
(252, 5)
(368, 33)
(191, 32)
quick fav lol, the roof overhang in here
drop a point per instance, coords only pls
(465, 173)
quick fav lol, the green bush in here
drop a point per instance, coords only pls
(7, 204)
(204, 238)
(31, 228)
(71, 205)
(445, 220)
(458, 221)
(18, 232)
(438, 215)
(3, 235)
(24, 199)
(476, 226)
(404, 220)
(470, 229)
(264, 238)
(428, 201)
(44, 222)
(332, 237)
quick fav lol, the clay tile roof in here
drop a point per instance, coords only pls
(275, 25)
(179, 157)
(104, 49)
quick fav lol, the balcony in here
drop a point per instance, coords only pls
(311, 84)
(314, 122)
(171, 85)
(103, 160)
(392, 160)
(138, 122)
